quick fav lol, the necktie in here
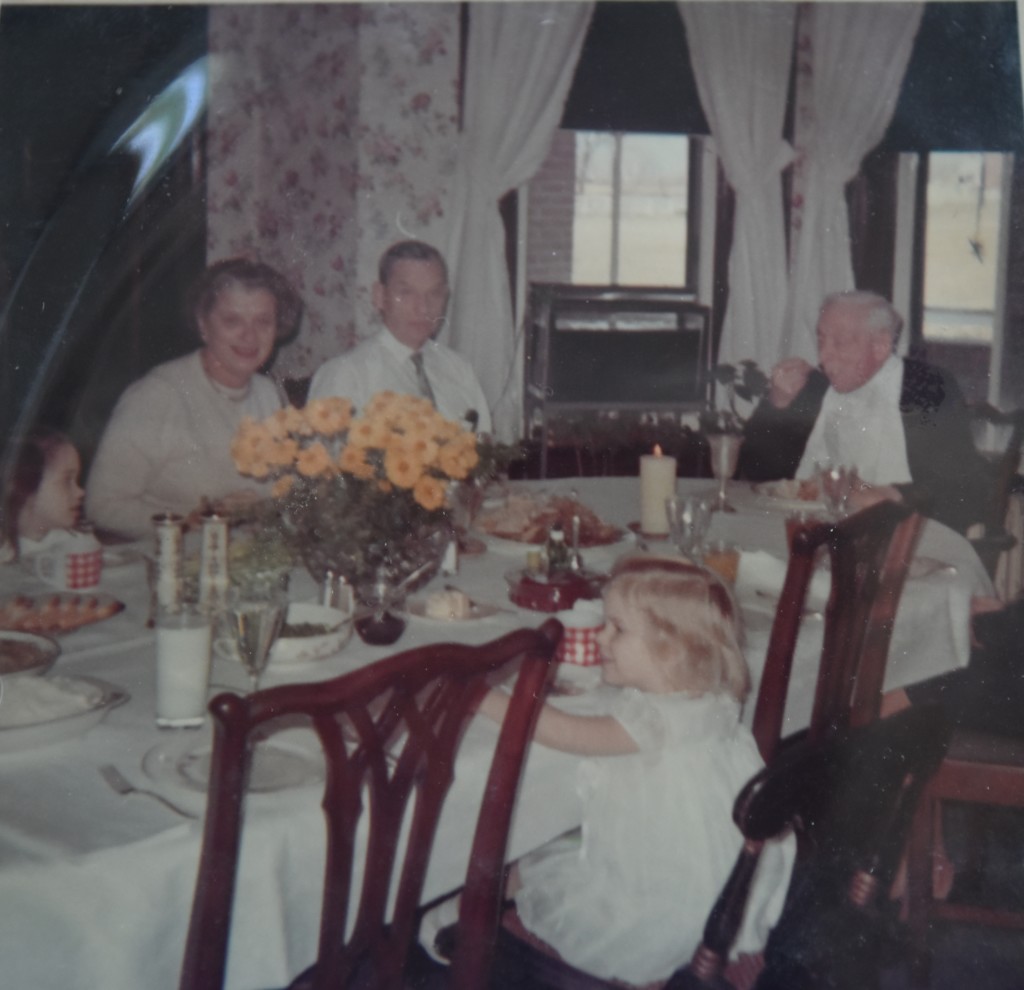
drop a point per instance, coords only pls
(421, 377)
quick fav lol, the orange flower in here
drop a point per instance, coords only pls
(250, 448)
(283, 453)
(330, 415)
(353, 461)
(313, 461)
(429, 492)
(282, 486)
(368, 432)
(457, 459)
(448, 430)
(401, 467)
(422, 448)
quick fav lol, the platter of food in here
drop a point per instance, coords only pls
(791, 494)
(23, 653)
(57, 613)
(524, 519)
(38, 711)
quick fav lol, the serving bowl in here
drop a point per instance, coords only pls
(289, 650)
(26, 654)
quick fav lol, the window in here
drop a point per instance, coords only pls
(614, 208)
(630, 209)
(963, 200)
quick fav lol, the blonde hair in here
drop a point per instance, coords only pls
(692, 619)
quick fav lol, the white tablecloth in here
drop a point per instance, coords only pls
(96, 888)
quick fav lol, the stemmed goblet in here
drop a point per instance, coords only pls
(254, 616)
(725, 453)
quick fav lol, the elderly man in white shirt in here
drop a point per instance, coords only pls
(410, 296)
(902, 423)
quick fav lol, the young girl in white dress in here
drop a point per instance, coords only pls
(43, 500)
(658, 841)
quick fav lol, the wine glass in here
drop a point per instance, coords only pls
(689, 517)
(725, 453)
(254, 616)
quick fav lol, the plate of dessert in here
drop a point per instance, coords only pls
(58, 613)
(450, 605)
(524, 519)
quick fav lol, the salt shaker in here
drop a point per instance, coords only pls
(169, 540)
(213, 563)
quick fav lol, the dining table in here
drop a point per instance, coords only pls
(96, 886)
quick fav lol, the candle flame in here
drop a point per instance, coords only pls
(657, 450)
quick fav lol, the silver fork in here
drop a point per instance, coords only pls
(123, 786)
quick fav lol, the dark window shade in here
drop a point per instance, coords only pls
(634, 73)
(962, 89)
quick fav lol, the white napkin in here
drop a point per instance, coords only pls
(760, 572)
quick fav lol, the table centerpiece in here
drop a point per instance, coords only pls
(365, 494)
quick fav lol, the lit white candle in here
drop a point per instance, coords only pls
(657, 483)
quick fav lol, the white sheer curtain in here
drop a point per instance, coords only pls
(520, 63)
(858, 56)
(741, 55)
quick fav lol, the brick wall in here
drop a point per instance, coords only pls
(549, 225)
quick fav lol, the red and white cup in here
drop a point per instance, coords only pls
(74, 565)
(581, 625)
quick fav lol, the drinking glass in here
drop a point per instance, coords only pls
(838, 483)
(725, 453)
(689, 517)
(253, 616)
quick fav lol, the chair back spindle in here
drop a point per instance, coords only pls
(389, 734)
(869, 554)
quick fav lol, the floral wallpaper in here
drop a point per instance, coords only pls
(331, 134)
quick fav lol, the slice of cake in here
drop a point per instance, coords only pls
(449, 605)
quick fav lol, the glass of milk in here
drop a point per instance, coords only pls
(182, 667)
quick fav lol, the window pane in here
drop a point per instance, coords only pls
(962, 245)
(652, 232)
(592, 210)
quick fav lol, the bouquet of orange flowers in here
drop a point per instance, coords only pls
(362, 494)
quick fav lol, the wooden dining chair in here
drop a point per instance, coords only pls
(983, 772)
(870, 554)
(850, 798)
(389, 734)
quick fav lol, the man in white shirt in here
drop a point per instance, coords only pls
(411, 297)
(902, 423)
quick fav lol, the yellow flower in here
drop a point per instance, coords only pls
(368, 432)
(330, 415)
(382, 404)
(353, 461)
(424, 449)
(313, 461)
(282, 486)
(250, 448)
(446, 430)
(401, 467)
(283, 452)
(457, 458)
(429, 492)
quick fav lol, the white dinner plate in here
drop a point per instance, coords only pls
(781, 495)
(417, 609)
(518, 548)
(182, 764)
(96, 699)
(114, 557)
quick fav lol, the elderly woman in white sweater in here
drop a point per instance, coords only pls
(167, 444)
